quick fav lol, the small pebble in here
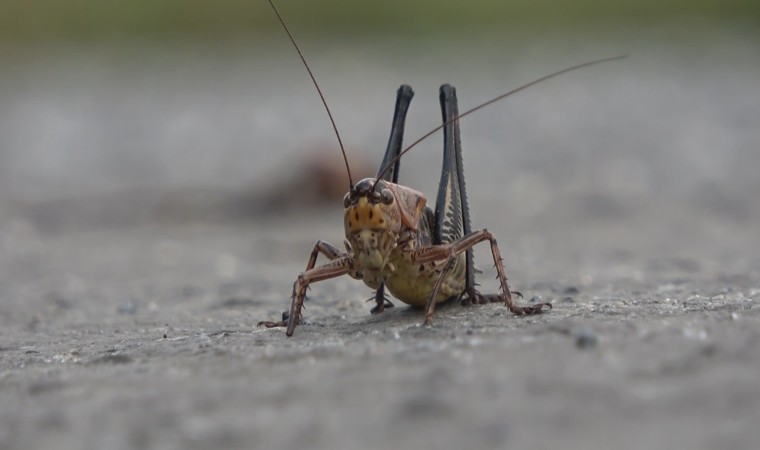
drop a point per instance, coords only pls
(203, 339)
(114, 358)
(127, 308)
(585, 339)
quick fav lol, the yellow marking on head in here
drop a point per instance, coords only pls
(365, 215)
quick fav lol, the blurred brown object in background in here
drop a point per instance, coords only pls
(323, 174)
(317, 179)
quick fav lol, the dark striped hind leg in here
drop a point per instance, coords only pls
(452, 208)
(395, 141)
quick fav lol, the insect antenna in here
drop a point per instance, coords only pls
(319, 91)
(493, 100)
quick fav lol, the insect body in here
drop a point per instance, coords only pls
(388, 240)
(394, 240)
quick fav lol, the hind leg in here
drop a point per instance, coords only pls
(395, 141)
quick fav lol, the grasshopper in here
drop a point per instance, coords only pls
(394, 241)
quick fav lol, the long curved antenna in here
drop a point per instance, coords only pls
(493, 100)
(324, 102)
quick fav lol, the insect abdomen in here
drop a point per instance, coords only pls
(413, 283)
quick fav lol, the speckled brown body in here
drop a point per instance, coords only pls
(394, 241)
(382, 247)
(412, 283)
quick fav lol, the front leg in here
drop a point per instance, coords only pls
(325, 248)
(334, 268)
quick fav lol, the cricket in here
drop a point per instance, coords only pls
(394, 240)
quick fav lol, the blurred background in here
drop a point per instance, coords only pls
(166, 166)
(120, 113)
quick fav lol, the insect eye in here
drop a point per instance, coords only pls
(375, 196)
(347, 200)
(387, 196)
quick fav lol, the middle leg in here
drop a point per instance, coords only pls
(449, 252)
(506, 294)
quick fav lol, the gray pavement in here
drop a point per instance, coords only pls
(154, 209)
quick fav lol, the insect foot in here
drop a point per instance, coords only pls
(282, 323)
(380, 307)
(381, 301)
(527, 310)
(476, 298)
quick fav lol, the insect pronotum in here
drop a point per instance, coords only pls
(393, 240)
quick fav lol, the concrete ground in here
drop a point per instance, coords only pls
(132, 280)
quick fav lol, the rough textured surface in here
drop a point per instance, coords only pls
(627, 197)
